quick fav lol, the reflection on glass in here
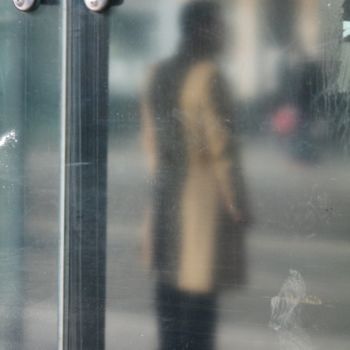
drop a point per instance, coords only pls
(196, 210)
(29, 176)
(248, 97)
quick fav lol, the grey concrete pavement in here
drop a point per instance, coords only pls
(301, 222)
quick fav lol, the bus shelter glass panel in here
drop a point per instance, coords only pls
(30, 78)
(228, 175)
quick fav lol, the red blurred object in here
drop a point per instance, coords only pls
(285, 121)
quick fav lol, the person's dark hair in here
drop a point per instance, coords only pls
(201, 27)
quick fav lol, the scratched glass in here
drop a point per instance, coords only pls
(30, 59)
(229, 150)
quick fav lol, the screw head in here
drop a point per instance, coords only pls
(24, 5)
(96, 5)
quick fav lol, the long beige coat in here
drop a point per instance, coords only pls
(198, 244)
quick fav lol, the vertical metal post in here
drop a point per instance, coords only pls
(86, 103)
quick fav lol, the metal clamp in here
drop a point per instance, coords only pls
(96, 5)
(25, 5)
(100, 5)
(30, 5)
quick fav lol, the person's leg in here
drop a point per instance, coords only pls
(199, 322)
(169, 317)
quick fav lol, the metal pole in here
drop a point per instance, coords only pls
(86, 103)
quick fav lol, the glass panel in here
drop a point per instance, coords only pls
(30, 56)
(229, 175)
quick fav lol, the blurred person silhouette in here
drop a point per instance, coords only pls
(198, 212)
(308, 139)
(301, 116)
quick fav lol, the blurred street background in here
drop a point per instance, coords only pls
(300, 222)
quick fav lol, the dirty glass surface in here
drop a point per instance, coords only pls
(229, 136)
(30, 81)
